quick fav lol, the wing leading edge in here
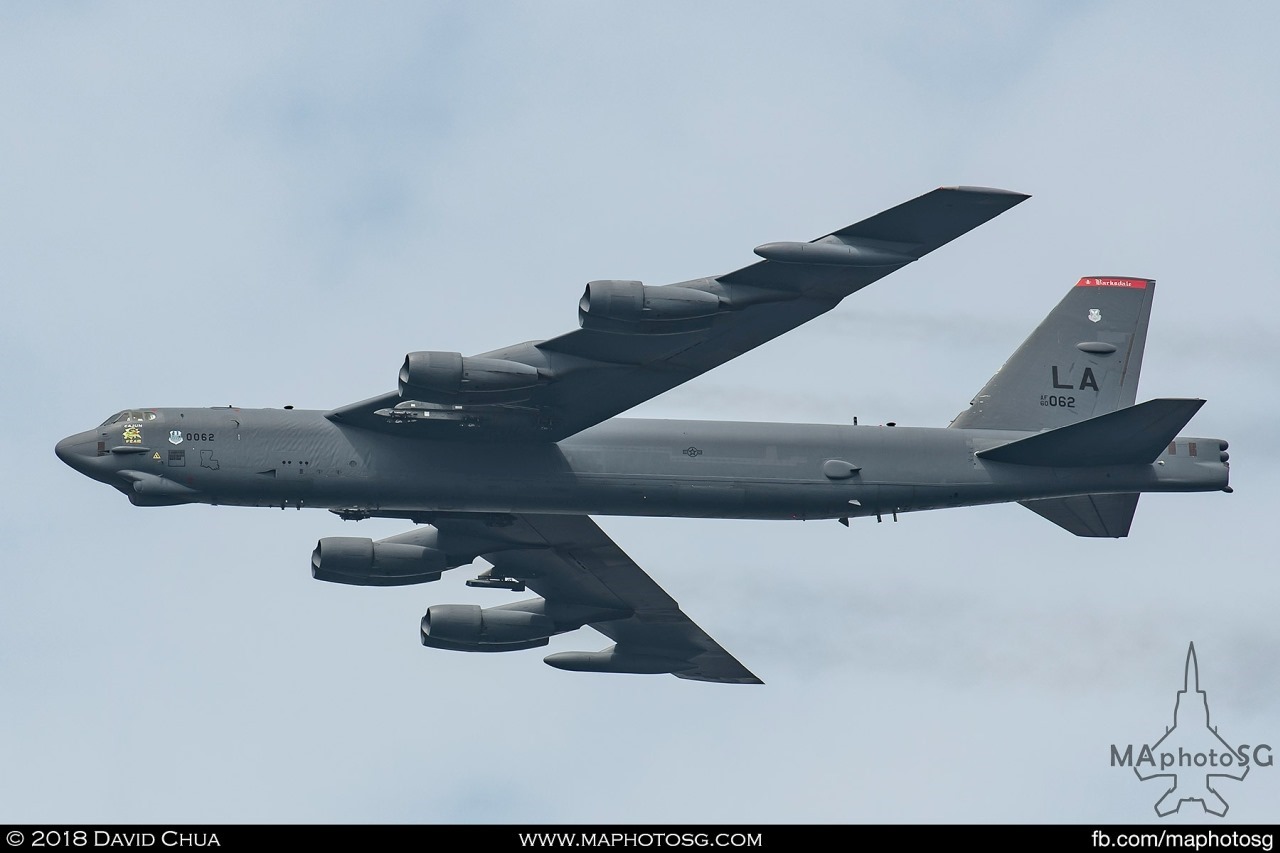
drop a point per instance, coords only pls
(583, 578)
(638, 341)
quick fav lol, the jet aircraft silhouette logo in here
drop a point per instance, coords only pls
(1191, 756)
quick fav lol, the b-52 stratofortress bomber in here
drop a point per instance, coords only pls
(504, 456)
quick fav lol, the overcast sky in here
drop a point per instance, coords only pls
(268, 205)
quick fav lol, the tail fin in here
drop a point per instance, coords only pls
(1082, 361)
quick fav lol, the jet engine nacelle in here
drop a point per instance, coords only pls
(363, 562)
(630, 306)
(451, 376)
(468, 628)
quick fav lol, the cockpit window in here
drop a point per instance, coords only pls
(130, 416)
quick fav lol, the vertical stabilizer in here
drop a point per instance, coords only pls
(1082, 361)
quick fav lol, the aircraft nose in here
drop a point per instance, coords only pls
(64, 449)
(78, 450)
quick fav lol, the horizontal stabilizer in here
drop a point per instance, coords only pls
(1133, 436)
(1089, 515)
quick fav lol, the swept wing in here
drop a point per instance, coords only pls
(638, 341)
(583, 579)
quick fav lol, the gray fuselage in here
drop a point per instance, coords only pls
(707, 469)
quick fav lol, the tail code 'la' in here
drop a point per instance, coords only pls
(1082, 361)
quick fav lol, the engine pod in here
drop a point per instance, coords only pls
(453, 377)
(630, 307)
(467, 627)
(363, 562)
